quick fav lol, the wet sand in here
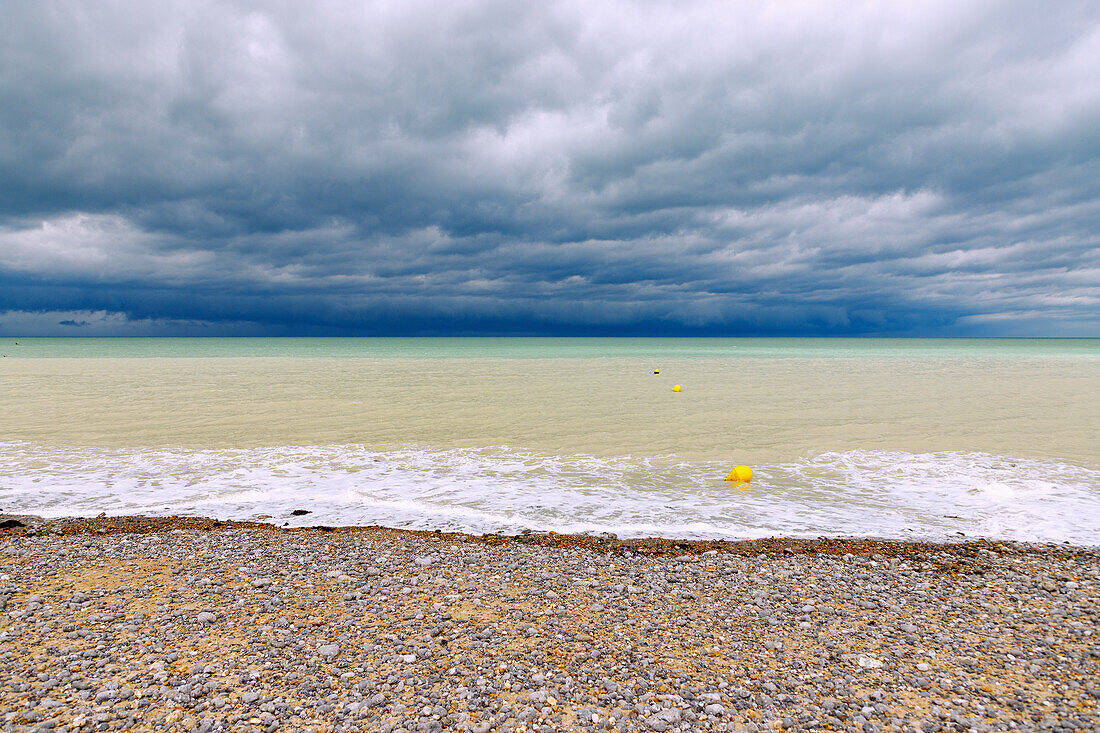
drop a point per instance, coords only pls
(192, 624)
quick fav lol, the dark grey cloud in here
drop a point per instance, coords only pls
(923, 168)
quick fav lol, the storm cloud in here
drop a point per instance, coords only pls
(550, 168)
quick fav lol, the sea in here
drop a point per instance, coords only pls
(926, 439)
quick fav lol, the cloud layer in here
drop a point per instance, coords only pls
(501, 167)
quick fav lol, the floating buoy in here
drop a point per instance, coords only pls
(656, 371)
(740, 473)
(676, 388)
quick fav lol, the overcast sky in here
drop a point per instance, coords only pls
(786, 168)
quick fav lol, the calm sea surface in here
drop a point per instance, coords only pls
(905, 438)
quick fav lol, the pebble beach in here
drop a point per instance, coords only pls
(197, 625)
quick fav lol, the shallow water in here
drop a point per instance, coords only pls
(929, 439)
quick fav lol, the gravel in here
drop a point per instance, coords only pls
(136, 624)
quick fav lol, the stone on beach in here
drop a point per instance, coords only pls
(152, 624)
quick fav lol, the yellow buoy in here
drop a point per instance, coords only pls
(740, 473)
(676, 388)
(656, 371)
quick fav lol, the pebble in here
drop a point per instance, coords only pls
(379, 629)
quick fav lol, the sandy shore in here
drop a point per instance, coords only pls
(191, 624)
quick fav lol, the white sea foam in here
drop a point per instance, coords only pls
(944, 495)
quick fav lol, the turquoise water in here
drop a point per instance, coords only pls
(546, 348)
(911, 438)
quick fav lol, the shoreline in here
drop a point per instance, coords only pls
(604, 542)
(184, 623)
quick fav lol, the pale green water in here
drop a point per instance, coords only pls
(446, 423)
(546, 348)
